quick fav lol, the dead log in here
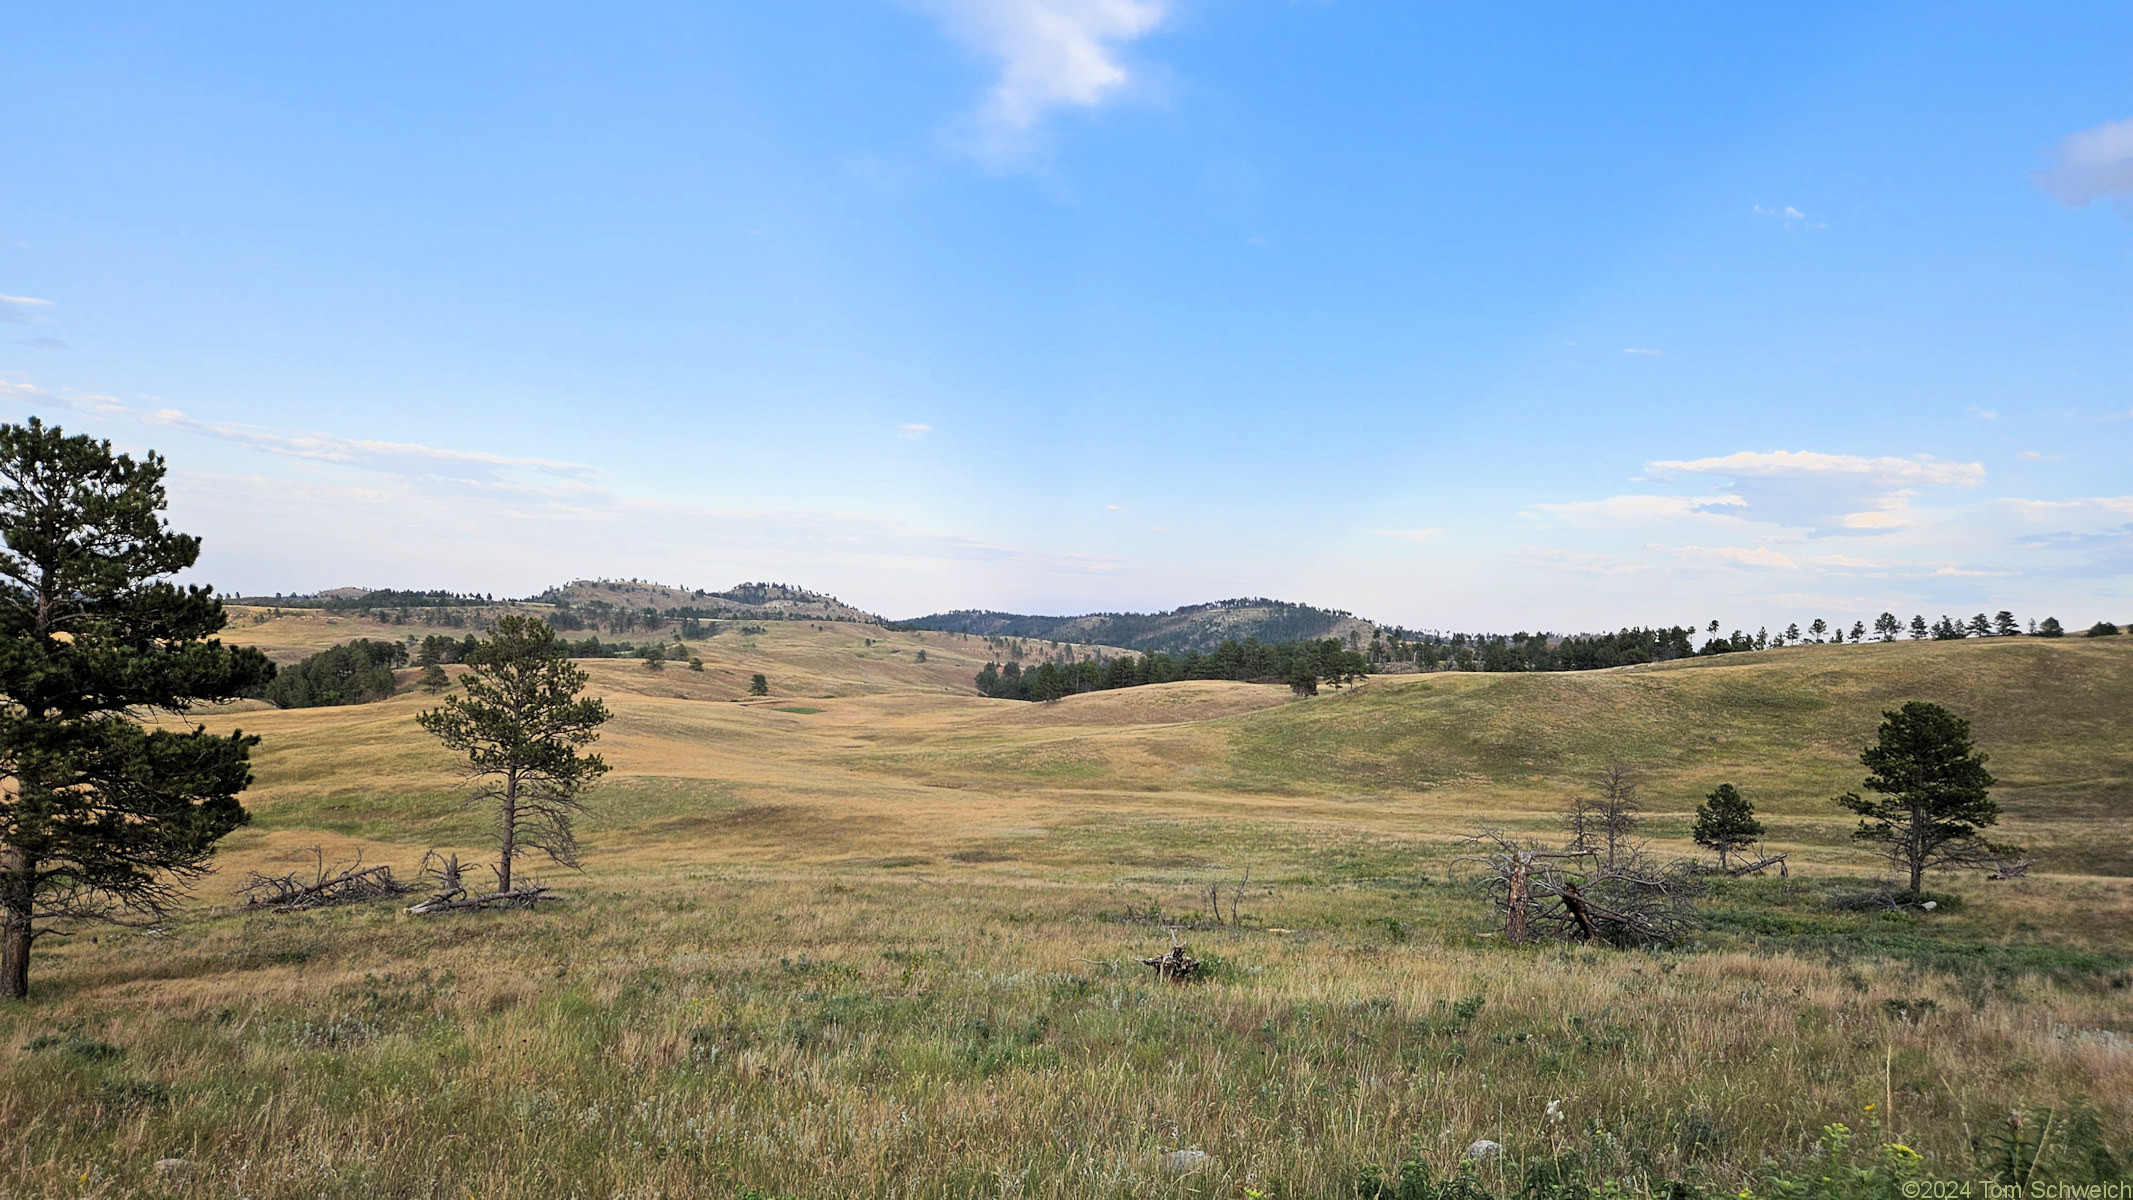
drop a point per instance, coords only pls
(1763, 864)
(2011, 869)
(1574, 901)
(454, 901)
(1174, 965)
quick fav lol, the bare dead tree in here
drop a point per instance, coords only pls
(1573, 894)
(1237, 891)
(350, 884)
(1619, 785)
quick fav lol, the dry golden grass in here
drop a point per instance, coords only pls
(884, 948)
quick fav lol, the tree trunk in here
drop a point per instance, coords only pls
(1519, 898)
(503, 876)
(15, 908)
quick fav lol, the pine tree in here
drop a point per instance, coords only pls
(1931, 789)
(1919, 632)
(758, 685)
(520, 725)
(2050, 627)
(2003, 624)
(1726, 822)
(1886, 627)
(433, 679)
(102, 817)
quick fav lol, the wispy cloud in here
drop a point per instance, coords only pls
(1789, 215)
(1636, 508)
(1052, 54)
(1643, 351)
(11, 309)
(408, 460)
(2093, 164)
(913, 432)
(1923, 469)
(1430, 534)
(1731, 556)
(43, 343)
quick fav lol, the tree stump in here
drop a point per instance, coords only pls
(1174, 965)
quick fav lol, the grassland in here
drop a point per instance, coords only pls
(874, 936)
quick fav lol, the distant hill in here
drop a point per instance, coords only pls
(777, 601)
(1194, 627)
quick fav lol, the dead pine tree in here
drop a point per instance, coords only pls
(520, 727)
(1573, 894)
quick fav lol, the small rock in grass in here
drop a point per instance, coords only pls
(1184, 1162)
(171, 1166)
(1483, 1149)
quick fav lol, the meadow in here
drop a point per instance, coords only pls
(876, 936)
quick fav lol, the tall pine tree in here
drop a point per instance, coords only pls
(109, 803)
(520, 727)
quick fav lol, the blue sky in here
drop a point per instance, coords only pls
(1556, 317)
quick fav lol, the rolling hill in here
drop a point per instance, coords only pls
(1195, 627)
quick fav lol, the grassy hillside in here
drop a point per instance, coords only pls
(875, 936)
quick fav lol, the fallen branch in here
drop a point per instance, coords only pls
(2011, 869)
(525, 897)
(352, 884)
(1763, 864)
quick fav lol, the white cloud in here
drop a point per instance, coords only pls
(1731, 556)
(1051, 53)
(1788, 212)
(1620, 509)
(1412, 535)
(1118, 508)
(1642, 351)
(1924, 469)
(2039, 509)
(913, 432)
(2092, 164)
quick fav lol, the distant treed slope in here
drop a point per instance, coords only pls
(1199, 627)
(773, 600)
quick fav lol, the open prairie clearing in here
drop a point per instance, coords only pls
(875, 936)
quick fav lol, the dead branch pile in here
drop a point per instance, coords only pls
(1583, 893)
(450, 892)
(1174, 965)
(350, 884)
(2011, 868)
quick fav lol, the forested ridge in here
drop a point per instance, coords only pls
(1303, 665)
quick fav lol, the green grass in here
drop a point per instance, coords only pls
(892, 952)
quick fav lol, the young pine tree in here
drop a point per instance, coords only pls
(1726, 822)
(758, 685)
(520, 725)
(103, 817)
